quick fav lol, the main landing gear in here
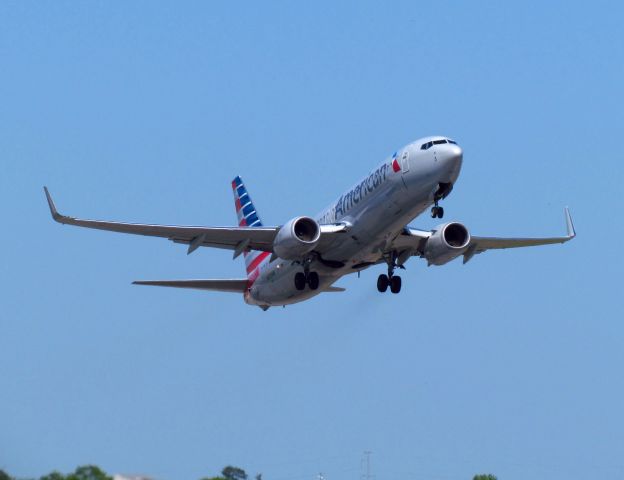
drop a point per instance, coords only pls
(311, 279)
(391, 280)
(307, 277)
(384, 281)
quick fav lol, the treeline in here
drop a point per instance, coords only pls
(86, 472)
(92, 472)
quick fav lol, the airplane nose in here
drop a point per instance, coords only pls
(452, 154)
(450, 157)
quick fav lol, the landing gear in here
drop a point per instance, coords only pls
(300, 281)
(395, 284)
(382, 283)
(391, 280)
(442, 192)
(311, 279)
(437, 211)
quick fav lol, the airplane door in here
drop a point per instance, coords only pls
(405, 161)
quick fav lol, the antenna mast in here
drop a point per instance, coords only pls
(367, 475)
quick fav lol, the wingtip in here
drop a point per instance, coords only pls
(53, 211)
(569, 224)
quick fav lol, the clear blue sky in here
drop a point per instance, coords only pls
(145, 111)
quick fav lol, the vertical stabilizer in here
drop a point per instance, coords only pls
(248, 217)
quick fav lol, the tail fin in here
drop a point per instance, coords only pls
(245, 210)
(248, 217)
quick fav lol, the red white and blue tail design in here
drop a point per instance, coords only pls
(248, 217)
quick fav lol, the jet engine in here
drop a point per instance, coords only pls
(449, 241)
(296, 238)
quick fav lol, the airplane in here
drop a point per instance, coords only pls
(367, 225)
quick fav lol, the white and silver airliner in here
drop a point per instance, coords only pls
(367, 225)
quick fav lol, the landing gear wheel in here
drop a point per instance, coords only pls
(382, 283)
(437, 212)
(313, 280)
(395, 284)
(300, 281)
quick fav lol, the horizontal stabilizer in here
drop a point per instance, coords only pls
(230, 285)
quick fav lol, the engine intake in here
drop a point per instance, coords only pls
(448, 242)
(296, 238)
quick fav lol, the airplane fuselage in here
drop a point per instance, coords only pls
(376, 209)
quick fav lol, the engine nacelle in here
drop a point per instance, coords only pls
(448, 242)
(296, 238)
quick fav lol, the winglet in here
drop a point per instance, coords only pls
(55, 215)
(569, 224)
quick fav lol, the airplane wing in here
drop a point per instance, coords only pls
(232, 238)
(256, 238)
(481, 244)
(414, 239)
(230, 285)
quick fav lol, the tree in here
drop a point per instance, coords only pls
(53, 476)
(234, 473)
(484, 476)
(88, 472)
(4, 475)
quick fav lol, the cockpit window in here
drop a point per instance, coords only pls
(428, 145)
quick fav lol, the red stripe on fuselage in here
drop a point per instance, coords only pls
(257, 261)
(252, 278)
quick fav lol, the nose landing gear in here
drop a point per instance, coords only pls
(442, 192)
(437, 211)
